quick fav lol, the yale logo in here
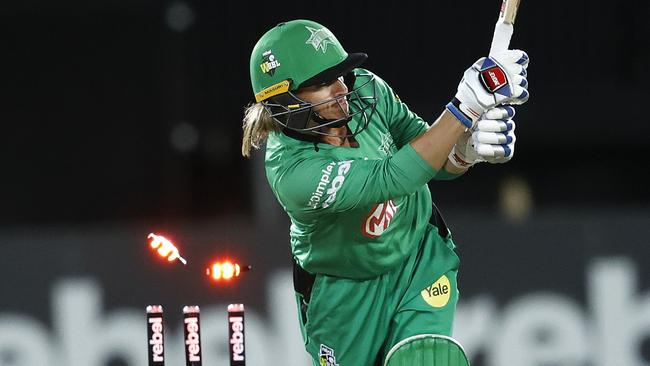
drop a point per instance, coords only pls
(438, 294)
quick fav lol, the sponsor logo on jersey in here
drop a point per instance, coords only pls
(438, 293)
(269, 63)
(493, 79)
(327, 188)
(320, 38)
(386, 144)
(377, 221)
(326, 356)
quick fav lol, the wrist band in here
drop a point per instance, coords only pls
(460, 116)
(457, 161)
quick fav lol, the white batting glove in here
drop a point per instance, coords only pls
(491, 81)
(492, 140)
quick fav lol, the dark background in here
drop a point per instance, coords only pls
(94, 90)
(124, 117)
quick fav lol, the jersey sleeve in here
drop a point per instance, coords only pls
(443, 174)
(327, 184)
(404, 125)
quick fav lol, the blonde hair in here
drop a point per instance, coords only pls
(257, 125)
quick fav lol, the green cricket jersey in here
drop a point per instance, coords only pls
(356, 212)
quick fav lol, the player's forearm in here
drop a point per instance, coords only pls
(435, 144)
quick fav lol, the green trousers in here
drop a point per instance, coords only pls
(347, 322)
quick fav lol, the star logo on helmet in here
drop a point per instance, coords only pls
(320, 38)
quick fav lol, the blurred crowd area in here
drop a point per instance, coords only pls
(131, 110)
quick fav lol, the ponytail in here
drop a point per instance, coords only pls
(257, 125)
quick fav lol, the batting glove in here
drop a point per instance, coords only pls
(491, 81)
(492, 140)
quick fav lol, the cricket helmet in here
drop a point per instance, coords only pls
(302, 53)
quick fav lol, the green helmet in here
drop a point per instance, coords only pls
(300, 52)
(297, 54)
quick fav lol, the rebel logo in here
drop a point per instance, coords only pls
(493, 79)
(378, 220)
(192, 339)
(237, 338)
(156, 339)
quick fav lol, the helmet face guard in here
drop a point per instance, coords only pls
(295, 114)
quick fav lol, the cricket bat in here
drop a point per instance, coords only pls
(505, 26)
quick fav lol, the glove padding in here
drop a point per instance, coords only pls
(492, 140)
(491, 81)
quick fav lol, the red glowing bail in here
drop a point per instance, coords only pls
(165, 248)
(225, 270)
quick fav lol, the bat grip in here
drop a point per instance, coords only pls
(501, 39)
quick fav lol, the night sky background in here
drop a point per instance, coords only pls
(131, 110)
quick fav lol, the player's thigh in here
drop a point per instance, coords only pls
(431, 311)
(430, 301)
(346, 321)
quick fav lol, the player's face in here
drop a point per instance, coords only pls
(335, 91)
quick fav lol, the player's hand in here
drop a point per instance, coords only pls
(492, 140)
(491, 81)
(494, 136)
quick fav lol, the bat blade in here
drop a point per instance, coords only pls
(505, 26)
(509, 10)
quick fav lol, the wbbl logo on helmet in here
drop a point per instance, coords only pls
(270, 63)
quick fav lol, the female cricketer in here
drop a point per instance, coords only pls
(374, 263)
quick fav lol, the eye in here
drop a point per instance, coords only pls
(327, 83)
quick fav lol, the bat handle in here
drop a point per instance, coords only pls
(501, 39)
